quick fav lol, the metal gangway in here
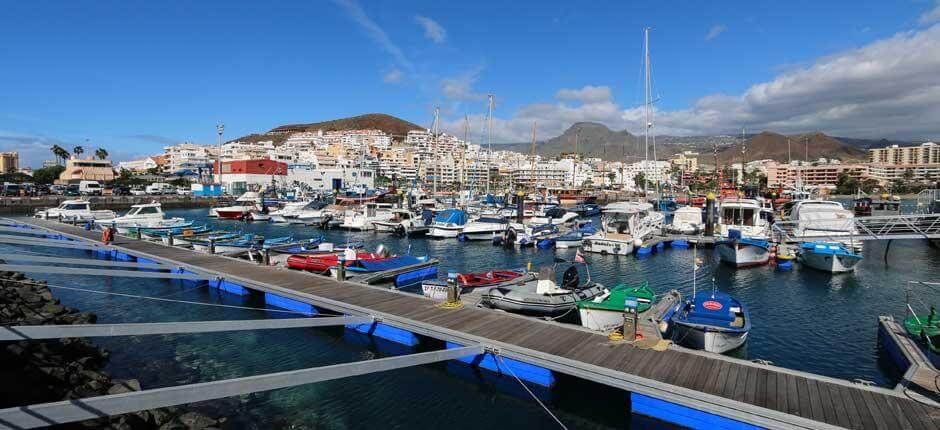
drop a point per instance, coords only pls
(848, 229)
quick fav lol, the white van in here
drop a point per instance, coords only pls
(89, 188)
(158, 188)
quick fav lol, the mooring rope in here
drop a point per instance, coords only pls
(135, 296)
(561, 424)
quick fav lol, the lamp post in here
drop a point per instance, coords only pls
(220, 128)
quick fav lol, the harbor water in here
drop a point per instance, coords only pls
(802, 319)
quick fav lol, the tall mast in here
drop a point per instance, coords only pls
(646, 92)
(534, 183)
(489, 139)
(577, 139)
(466, 142)
(743, 157)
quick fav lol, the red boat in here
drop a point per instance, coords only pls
(322, 263)
(489, 279)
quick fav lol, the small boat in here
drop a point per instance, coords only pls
(288, 213)
(364, 219)
(322, 263)
(686, 220)
(543, 296)
(925, 328)
(248, 242)
(605, 312)
(575, 238)
(586, 210)
(448, 223)
(186, 229)
(712, 321)
(312, 248)
(830, 257)
(743, 251)
(624, 226)
(244, 204)
(527, 235)
(392, 265)
(75, 209)
(484, 228)
(147, 215)
(467, 282)
(201, 242)
(554, 215)
(404, 223)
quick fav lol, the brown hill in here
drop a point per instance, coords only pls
(396, 127)
(767, 145)
(594, 140)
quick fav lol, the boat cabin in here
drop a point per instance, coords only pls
(866, 206)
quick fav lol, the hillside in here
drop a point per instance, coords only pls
(768, 145)
(396, 127)
(595, 140)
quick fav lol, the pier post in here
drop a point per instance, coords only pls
(341, 269)
(520, 206)
(710, 215)
(266, 257)
(212, 245)
(138, 234)
(169, 238)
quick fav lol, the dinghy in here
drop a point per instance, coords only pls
(467, 282)
(712, 321)
(322, 263)
(543, 296)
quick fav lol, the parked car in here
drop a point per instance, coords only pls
(121, 191)
(72, 190)
(56, 189)
(137, 191)
(90, 188)
(11, 190)
(158, 188)
(181, 191)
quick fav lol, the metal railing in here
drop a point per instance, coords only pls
(914, 226)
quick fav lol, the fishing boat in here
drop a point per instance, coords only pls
(686, 220)
(484, 228)
(185, 228)
(605, 312)
(75, 210)
(468, 282)
(543, 296)
(742, 215)
(886, 206)
(147, 215)
(404, 223)
(244, 204)
(624, 225)
(712, 321)
(830, 257)
(743, 251)
(202, 242)
(448, 223)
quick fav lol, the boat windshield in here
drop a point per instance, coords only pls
(74, 206)
(492, 220)
(738, 216)
(144, 210)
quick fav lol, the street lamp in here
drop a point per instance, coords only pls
(220, 128)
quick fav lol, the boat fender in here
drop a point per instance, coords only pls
(637, 242)
(461, 279)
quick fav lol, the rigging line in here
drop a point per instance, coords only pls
(162, 299)
(561, 424)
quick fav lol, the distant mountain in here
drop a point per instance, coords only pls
(593, 140)
(394, 126)
(768, 145)
(874, 143)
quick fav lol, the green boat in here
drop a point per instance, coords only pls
(926, 328)
(605, 313)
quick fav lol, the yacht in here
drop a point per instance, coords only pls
(148, 215)
(484, 228)
(823, 219)
(404, 223)
(288, 213)
(75, 209)
(248, 202)
(362, 219)
(624, 225)
(315, 213)
(448, 223)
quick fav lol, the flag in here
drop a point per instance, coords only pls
(578, 258)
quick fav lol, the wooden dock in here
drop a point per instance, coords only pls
(761, 395)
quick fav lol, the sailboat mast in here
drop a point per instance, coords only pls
(534, 183)
(489, 139)
(743, 158)
(646, 92)
(577, 140)
(463, 156)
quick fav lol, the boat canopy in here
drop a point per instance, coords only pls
(389, 263)
(492, 220)
(826, 248)
(713, 308)
(452, 216)
(627, 207)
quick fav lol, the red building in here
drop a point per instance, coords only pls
(252, 167)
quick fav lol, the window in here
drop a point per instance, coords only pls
(147, 211)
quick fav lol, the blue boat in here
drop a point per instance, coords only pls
(829, 257)
(712, 321)
(448, 223)
(401, 279)
(575, 238)
(743, 251)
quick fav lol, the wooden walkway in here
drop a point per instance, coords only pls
(763, 395)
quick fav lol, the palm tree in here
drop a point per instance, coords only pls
(78, 151)
(57, 152)
(101, 153)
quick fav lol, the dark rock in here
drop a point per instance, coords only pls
(94, 376)
(16, 350)
(195, 420)
(53, 309)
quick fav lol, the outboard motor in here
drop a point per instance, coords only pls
(571, 279)
(382, 250)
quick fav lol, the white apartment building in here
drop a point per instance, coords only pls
(138, 166)
(925, 153)
(246, 150)
(188, 156)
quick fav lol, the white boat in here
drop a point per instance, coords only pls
(529, 234)
(624, 225)
(823, 219)
(403, 223)
(362, 219)
(148, 215)
(246, 203)
(686, 220)
(711, 321)
(829, 257)
(289, 212)
(484, 228)
(744, 251)
(75, 209)
(744, 232)
(315, 214)
(448, 223)
(553, 215)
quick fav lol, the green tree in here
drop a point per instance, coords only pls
(47, 175)
(78, 151)
(101, 153)
(60, 154)
(127, 179)
(640, 180)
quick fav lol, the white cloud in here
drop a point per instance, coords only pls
(432, 30)
(931, 16)
(460, 87)
(393, 76)
(375, 32)
(888, 88)
(715, 31)
(586, 94)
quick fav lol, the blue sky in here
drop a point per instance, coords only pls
(133, 76)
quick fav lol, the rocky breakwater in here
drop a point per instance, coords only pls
(40, 371)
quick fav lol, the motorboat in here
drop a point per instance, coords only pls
(830, 257)
(289, 212)
(624, 226)
(885, 206)
(712, 321)
(243, 205)
(147, 215)
(554, 215)
(743, 215)
(316, 213)
(605, 313)
(523, 235)
(322, 263)
(404, 223)
(75, 210)
(362, 219)
(468, 282)
(743, 252)
(586, 210)
(821, 218)
(686, 220)
(226, 245)
(448, 223)
(543, 296)
(575, 238)
(484, 228)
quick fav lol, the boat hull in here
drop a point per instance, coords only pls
(444, 232)
(830, 263)
(601, 320)
(568, 243)
(741, 255)
(607, 246)
(708, 339)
